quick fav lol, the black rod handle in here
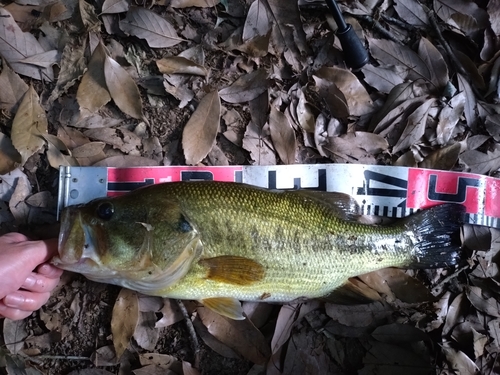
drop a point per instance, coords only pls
(355, 54)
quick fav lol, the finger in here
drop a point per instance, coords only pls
(49, 270)
(25, 300)
(37, 252)
(38, 283)
(14, 237)
(12, 313)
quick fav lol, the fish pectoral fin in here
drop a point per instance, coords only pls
(233, 270)
(343, 205)
(353, 292)
(225, 306)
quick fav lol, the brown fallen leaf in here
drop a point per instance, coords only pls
(124, 319)
(17, 205)
(123, 161)
(482, 163)
(412, 12)
(13, 88)
(199, 134)
(29, 124)
(193, 3)
(123, 89)
(390, 53)
(89, 17)
(443, 158)
(384, 78)
(122, 139)
(92, 92)
(258, 144)
(435, 62)
(180, 65)
(246, 88)
(115, 6)
(145, 24)
(240, 335)
(448, 118)
(88, 150)
(415, 126)
(17, 45)
(282, 135)
(257, 22)
(357, 98)
(58, 153)
(10, 158)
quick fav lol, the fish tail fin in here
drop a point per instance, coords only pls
(437, 230)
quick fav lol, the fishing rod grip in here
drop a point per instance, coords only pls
(355, 54)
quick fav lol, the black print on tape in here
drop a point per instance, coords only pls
(129, 186)
(459, 197)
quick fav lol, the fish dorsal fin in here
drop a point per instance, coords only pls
(233, 269)
(353, 292)
(343, 205)
(225, 306)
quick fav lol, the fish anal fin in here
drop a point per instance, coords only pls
(233, 269)
(353, 292)
(343, 205)
(225, 306)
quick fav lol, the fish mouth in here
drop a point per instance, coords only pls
(76, 244)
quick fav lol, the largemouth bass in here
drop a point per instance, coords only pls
(221, 243)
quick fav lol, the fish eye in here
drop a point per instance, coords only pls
(105, 210)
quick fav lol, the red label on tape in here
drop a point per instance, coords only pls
(428, 188)
(122, 180)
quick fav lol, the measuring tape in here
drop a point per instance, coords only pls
(379, 190)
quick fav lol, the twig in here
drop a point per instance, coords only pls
(438, 288)
(67, 357)
(378, 27)
(399, 23)
(192, 334)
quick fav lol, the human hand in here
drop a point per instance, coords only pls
(26, 280)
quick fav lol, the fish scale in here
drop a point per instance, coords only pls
(223, 242)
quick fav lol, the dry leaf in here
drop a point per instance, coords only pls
(335, 99)
(482, 163)
(179, 64)
(412, 12)
(255, 142)
(124, 319)
(18, 207)
(115, 6)
(358, 100)
(240, 335)
(17, 45)
(246, 88)
(146, 335)
(257, 22)
(125, 161)
(58, 153)
(434, 61)
(390, 53)
(92, 92)
(443, 158)
(448, 118)
(305, 116)
(459, 360)
(193, 3)
(89, 17)
(145, 24)
(13, 88)
(415, 126)
(10, 158)
(199, 134)
(283, 136)
(470, 100)
(88, 150)
(29, 124)
(122, 139)
(123, 89)
(384, 78)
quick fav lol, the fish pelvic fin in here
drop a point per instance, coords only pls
(233, 269)
(437, 234)
(225, 306)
